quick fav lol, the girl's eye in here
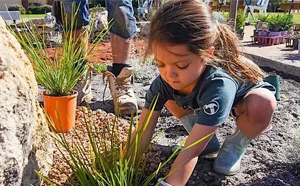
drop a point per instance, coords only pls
(182, 66)
(159, 65)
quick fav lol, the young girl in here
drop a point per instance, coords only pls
(203, 77)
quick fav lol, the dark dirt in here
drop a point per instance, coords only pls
(271, 159)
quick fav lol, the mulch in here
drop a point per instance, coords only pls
(102, 52)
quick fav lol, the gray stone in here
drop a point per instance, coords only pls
(24, 143)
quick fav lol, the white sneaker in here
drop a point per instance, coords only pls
(120, 87)
(84, 89)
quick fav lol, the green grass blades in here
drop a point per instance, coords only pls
(100, 68)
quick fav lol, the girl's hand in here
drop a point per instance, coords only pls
(145, 131)
(185, 162)
(162, 183)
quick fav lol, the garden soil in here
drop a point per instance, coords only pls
(270, 159)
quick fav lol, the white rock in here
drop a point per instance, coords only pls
(21, 119)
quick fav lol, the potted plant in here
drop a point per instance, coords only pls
(57, 73)
(286, 23)
(261, 26)
(240, 24)
(275, 22)
(262, 17)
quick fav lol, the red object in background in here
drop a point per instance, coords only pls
(102, 52)
(25, 3)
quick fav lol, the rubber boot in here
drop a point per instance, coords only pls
(228, 161)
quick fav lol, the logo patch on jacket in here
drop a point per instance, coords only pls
(211, 108)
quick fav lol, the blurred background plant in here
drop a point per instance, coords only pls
(240, 19)
(274, 23)
(100, 68)
(17, 7)
(287, 22)
(280, 22)
(262, 17)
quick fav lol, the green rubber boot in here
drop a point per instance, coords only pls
(228, 161)
(275, 81)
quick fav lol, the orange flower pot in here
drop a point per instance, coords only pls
(61, 110)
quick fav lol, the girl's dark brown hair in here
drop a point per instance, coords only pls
(191, 23)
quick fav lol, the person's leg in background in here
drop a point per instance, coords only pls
(121, 15)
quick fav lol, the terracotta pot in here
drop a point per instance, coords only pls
(61, 110)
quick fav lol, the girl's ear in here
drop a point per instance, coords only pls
(210, 51)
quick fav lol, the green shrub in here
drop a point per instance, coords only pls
(100, 68)
(280, 22)
(287, 22)
(33, 9)
(17, 8)
(240, 19)
(274, 23)
(262, 17)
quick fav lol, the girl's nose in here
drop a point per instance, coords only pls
(171, 72)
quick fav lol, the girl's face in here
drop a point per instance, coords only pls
(179, 67)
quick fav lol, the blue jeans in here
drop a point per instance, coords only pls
(70, 8)
(121, 13)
